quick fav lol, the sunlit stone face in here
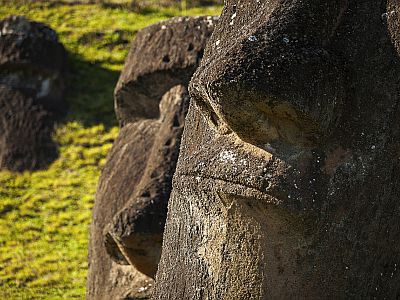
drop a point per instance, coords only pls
(251, 211)
(290, 157)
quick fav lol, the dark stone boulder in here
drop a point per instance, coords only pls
(25, 132)
(162, 55)
(32, 59)
(32, 80)
(288, 179)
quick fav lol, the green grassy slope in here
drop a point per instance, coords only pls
(45, 215)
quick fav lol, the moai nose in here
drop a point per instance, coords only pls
(277, 81)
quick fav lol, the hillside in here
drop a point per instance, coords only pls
(45, 215)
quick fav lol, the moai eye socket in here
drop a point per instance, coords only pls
(211, 116)
(300, 115)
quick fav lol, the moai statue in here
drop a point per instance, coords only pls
(151, 102)
(288, 179)
(33, 67)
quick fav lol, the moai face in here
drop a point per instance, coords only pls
(151, 102)
(287, 182)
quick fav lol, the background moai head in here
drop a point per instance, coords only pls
(287, 185)
(162, 56)
(33, 60)
(151, 102)
(32, 75)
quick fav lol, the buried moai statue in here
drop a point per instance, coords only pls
(32, 82)
(287, 184)
(151, 102)
(163, 55)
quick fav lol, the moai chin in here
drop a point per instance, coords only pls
(287, 184)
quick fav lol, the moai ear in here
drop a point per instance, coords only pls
(163, 55)
(276, 79)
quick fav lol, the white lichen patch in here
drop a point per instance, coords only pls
(45, 88)
(227, 156)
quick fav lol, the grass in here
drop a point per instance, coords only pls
(45, 215)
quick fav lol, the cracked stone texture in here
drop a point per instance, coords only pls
(287, 183)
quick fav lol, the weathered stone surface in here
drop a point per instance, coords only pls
(32, 59)
(293, 85)
(32, 70)
(138, 228)
(162, 55)
(25, 133)
(131, 202)
(287, 184)
(125, 165)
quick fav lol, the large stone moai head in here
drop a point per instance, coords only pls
(32, 82)
(151, 102)
(288, 179)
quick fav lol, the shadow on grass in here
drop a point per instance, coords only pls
(90, 93)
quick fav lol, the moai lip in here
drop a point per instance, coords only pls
(287, 182)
